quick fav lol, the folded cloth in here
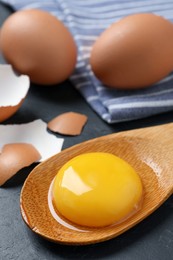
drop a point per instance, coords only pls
(87, 19)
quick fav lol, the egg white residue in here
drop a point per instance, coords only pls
(162, 182)
(34, 133)
(153, 165)
(56, 216)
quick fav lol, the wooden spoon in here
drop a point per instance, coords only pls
(148, 150)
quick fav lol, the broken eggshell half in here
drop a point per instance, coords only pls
(14, 157)
(13, 90)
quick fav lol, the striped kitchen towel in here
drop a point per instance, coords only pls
(86, 19)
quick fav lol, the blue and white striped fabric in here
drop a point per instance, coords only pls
(86, 19)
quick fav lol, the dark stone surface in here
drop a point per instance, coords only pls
(151, 239)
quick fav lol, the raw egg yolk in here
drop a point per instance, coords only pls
(96, 189)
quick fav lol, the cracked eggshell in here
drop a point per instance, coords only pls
(69, 123)
(14, 157)
(32, 133)
(13, 90)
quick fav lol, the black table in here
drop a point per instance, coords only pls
(151, 239)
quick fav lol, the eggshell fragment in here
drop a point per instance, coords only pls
(34, 133)
(13, 90)
(39, 45)
(14, 157)
(69, 123)
(134, 52)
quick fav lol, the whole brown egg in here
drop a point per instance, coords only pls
(39, 45)
(135, 52)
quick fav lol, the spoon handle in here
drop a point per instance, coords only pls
(156, 149)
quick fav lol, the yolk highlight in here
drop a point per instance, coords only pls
(96, 189)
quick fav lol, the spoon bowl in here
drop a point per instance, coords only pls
(148, 150)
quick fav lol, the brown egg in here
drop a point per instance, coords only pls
(135, 52)
(39, 45)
